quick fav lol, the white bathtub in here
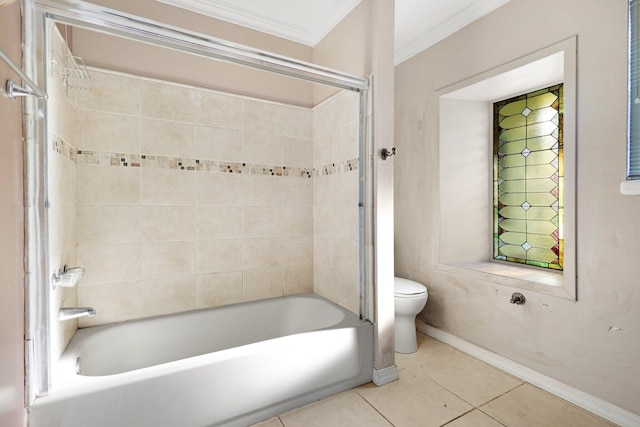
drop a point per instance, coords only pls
(233, 365)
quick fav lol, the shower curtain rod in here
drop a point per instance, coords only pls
(12, 89)
(100, 18)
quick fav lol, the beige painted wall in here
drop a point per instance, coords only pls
(592, 344)
(136, 58)
(12, 411)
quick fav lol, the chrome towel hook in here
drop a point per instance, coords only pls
(388, 153)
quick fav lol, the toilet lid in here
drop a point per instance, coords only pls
(408, 287)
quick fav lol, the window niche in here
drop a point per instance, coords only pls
(466, 171)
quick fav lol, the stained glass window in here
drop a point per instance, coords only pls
(528, 179)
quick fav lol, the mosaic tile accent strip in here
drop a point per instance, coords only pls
(95, 158)
(63, 148)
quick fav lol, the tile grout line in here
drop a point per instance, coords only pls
(373, 407)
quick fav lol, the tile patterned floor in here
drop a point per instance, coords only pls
(440, 386)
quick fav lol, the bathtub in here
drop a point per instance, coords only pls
(233, 365)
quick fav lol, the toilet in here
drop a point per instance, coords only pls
(409, 299)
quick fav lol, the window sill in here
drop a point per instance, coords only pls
(630, 187)
(527, 278)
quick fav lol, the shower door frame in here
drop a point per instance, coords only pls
(37, 13)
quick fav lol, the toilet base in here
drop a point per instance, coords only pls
(406, 340)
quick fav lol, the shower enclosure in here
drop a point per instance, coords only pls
(175, 197)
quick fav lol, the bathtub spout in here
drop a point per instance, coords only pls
(75, 312)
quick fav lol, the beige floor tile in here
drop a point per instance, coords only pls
(273, 422)
(428, 348)
(474, 418)
(414, 400)
(528, 406)
(346, 409)
(471, 379)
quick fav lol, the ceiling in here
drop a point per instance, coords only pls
(418, 23)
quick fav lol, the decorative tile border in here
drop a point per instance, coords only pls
(63, 148)
(96, 158)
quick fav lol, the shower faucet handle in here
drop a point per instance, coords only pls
(388, 153)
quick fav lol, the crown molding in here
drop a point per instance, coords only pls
(298, 32)
(441, 31)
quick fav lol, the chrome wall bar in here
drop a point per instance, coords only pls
(13, 90)
(96, 17)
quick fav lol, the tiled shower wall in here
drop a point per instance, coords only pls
(61, 198)
(189, 198)
(335, 199)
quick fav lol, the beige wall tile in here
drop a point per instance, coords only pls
(219, 189)
(337, 111)
(345, 222)
(167, 138)
(108, 132)
(345, 143)
(217, 109)
(347, 107)
(101, 224)
(214, 143)
(263, 221)
(262, 148)
(110, 263)
(323, 251)
(346, 257)
(324, 187)
(219, 222)
(262, 253)
(263, 117)
(261, 283)
(219, 256)
(346, 190)
(322, 147)
(297, 191)
(323, 220)
(62, 228)
(62, 184)
(168, 295)
(108, 185)
(324, 118)
(167, 187)
(297, 221)
(298, 279)
(297, 250)
(166, 101)
(165, 259)
(297, 122)
(345, 290)
(219, 289)
(322, 281)
(168, 223)
(114, 302)
(261, 190)
(111, 92)
(297, 152)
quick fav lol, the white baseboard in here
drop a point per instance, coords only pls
(579, 398)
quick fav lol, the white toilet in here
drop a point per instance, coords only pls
(409, 298)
